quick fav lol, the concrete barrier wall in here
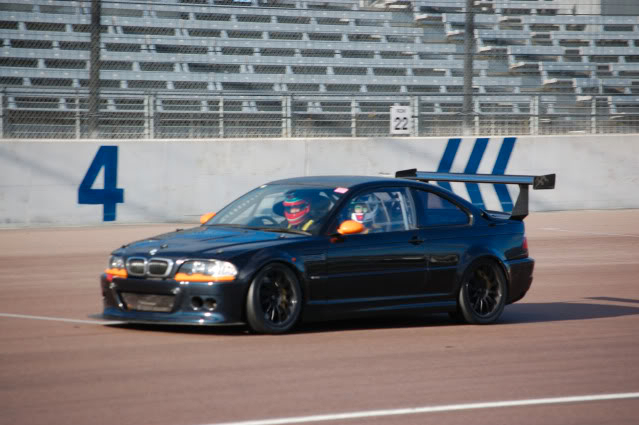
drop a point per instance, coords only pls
(50, 182)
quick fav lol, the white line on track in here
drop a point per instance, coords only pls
(432, 409)
(581, 232)
(60, 319)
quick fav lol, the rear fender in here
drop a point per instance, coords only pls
(476, 254)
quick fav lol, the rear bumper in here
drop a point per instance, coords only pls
(520, 276)
(228, 297)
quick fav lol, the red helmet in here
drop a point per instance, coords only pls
(296, 209)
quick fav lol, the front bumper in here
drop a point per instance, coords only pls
(222, 302)
(520, 276)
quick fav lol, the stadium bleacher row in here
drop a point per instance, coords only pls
(235, 68)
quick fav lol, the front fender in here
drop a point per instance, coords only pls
(252, 263)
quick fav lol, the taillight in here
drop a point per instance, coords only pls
(524, 246)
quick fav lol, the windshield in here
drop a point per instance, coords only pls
(280, 207)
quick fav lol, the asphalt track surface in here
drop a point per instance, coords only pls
(576, 333)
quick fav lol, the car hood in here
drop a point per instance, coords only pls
(203, 240)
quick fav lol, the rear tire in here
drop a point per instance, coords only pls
(483, 293)
(274, 300)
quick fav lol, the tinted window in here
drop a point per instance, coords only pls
(435, 210)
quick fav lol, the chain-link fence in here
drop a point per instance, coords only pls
(293, 68)
(186, 115)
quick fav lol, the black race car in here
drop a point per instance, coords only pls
(319, 248)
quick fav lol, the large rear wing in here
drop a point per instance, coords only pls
(520, 209)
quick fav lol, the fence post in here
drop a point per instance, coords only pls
(469, 52)
(593, 115)
(353, 118)
(94, 69)
(221, 117)
(286, 116)
(415, 109)
(531, 116)
(149, 116)
(476, 115)
(283, 122)
(78, 124)
(2, 117)
(534, 115)
(152, 116)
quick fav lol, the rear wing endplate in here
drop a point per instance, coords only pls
(520, 209)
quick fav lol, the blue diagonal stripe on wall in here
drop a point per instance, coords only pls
(505, 151)
(446, 163)
(471, 168)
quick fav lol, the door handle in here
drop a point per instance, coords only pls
(416, 240)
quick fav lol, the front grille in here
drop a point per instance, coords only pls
(136, 266)
(148, 302)
(155, 267)
(158, 268)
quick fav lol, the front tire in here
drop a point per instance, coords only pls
(274, 300)
(483, 293)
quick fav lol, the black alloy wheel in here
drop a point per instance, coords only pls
(274, 300)
(483, 293)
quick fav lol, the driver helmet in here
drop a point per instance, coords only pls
(296, 209)
(363, 209)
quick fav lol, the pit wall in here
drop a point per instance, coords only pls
(133, 181)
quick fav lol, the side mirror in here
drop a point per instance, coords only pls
(350, 227)
(206, 217)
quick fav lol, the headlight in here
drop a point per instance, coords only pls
(206, 271)
(116, 262)
(116, 267)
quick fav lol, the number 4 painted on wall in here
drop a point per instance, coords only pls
(107, 158)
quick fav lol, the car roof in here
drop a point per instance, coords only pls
(334, 181)
(356, 182)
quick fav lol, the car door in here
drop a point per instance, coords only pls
(382, 267)
(445, 228)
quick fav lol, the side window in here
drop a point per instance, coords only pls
(437, 211)
(382, 210)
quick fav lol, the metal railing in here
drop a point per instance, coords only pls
(131, 115)
(270, 68)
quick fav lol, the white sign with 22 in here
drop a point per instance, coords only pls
(400, 120)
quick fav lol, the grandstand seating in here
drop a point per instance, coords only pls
(235, 68)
